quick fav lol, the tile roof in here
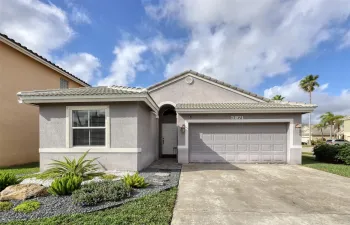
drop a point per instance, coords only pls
(41, 57)
(84, 91)
(209, 79)
(242, 105)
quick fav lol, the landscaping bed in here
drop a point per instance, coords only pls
(151, 209)
(51, 205)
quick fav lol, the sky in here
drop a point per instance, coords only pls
(264, 46)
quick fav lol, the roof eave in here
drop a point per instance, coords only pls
(258, 110)
(37, 100)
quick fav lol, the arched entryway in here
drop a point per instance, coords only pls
(168, 131)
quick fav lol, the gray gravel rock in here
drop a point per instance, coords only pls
(53, 205)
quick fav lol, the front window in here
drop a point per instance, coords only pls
(89, 127)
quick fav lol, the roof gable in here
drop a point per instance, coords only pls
(208, 79)
(12, 43)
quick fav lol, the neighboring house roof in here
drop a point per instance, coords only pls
(260, 107)
(315, 132)
(185, 73)
(346, 118)
(5, 39)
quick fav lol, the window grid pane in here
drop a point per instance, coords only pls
(88, 131)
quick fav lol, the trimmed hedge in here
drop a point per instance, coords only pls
(332, 153)
(344, 154)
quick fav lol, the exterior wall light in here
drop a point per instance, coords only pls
(183, 128)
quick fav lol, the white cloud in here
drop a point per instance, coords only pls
(243, 42)
(127, 62)
(325, 100)
(39, 26)
(83, 65)
(160, 45)
(79, 14)
(346, 41)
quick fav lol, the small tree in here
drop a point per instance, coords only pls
(321, 126)
(308, 84)
(278, 97)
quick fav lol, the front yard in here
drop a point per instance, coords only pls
(308, 160)
(147, 197)
(151, 209)
(21, 169)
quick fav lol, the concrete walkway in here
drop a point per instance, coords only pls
(260, 194)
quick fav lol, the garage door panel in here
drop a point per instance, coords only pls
(242, 143)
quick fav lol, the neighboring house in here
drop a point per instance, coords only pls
(190, 116)
(346, 126)
(315, 133)
(21, 69)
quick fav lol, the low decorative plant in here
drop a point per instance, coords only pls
(65, 185)
(27, 206)
(5, 206)
(85, 168)
(94, 193)
(135, 181)
(108, 176)
(8, 179)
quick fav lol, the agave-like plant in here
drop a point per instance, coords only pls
(85, 168)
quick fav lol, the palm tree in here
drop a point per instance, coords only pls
(278, 97)
(321, 126)
(332, 120)
(308, 84)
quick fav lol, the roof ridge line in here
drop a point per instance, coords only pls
(209, 78)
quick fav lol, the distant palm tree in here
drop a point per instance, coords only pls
(278, 97)
(332, 120)
(321, 126)
(308, 84)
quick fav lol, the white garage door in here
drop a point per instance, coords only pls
(240, 143)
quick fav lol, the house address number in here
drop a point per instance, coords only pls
(237, 117)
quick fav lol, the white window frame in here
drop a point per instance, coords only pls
(69, 128)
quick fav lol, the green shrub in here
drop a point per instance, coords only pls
(108, 176)
(344, 154)
(326, 153)
(27, 206)
(8, 179)
(85, 168)
(5, 206)
(65, 185)
(94, 193)
(135, 181)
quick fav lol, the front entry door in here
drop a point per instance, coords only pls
(169, 138)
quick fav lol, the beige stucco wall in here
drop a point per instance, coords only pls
(19, 123)
(347, 130)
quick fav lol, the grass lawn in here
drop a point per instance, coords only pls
(339, 169)
(307, 146)
(152, 209)
(21, 169)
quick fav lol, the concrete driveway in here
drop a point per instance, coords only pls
(260, 194)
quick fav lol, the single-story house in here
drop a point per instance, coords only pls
(190, 116)
(316, 134)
